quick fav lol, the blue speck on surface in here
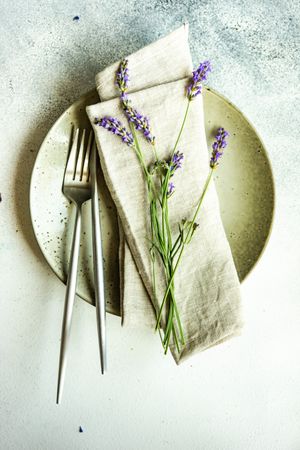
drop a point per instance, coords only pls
(80, 429)
(76, 18)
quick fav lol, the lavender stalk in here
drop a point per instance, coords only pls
(218, 147)
(161, 236)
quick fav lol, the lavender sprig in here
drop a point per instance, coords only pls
(122, 77)
(140, 122)
(116, 127)
(199, 75)
(194, 89)
(174, 164)
(218, 147)
(184, 240)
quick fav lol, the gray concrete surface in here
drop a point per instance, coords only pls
(241, 395)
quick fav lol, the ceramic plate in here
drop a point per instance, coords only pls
(244, 184)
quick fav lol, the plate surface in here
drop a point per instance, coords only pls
(244, 184)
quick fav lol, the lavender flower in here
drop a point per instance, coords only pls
(122, 77)
(139, 121)
(116, 127)
(171, 188)
(218, 147)
(176, 162)
(199, 75)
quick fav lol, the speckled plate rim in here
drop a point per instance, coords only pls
(214, 92)
(233, 106)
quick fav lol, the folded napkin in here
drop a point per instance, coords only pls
(165, 60)
(207, 293)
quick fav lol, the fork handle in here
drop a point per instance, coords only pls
(98, 275)
(69, 302)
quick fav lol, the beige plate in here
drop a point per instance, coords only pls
(244, 183)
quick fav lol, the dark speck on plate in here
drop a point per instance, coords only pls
(76, 18)
(80, 429)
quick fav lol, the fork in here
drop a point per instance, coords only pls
(77, 188)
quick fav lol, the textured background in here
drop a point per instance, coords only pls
(244, 394)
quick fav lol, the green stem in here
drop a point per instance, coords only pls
(163, 220)
(182, 126)
(140, 155)
(169, 320)
(175, 338)
(170, 245)
(155, 228)
(175, 245)
(183, 246)
(155, 153)
(159, 240)
(208, 180)
(167, 177)
(169, 328)
(179, 324)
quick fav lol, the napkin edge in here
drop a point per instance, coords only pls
(183, 29)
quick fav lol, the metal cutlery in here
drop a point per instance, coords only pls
(98, 261)
(80, 185)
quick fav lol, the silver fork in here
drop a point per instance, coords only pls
(77, 188)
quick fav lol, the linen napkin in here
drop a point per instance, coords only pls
(207, 293)
(165, 60)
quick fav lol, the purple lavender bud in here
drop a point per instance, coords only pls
(124, 97)
(218, 146)
(122, 77)
(199, 75)
(171, 188)
(140, 122)
(176, 162)
(115, 126)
